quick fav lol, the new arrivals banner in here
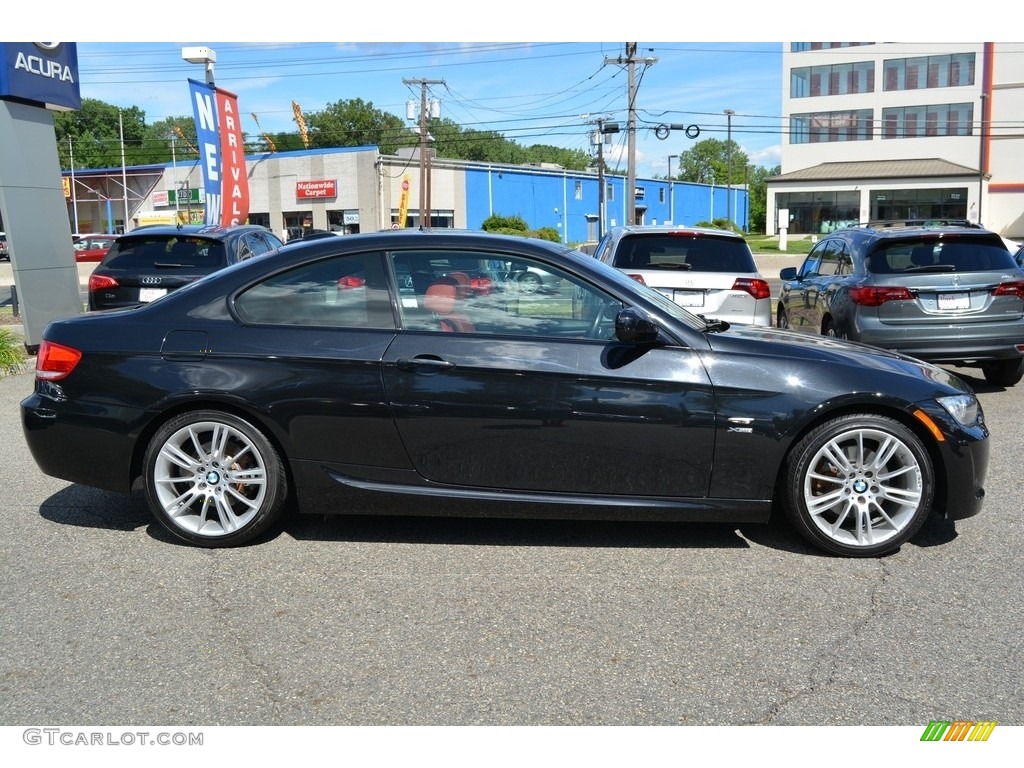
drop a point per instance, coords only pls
(222, 154)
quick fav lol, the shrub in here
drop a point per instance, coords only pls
(12, 352)
(505, 224)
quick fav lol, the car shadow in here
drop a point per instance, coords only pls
(83, 506)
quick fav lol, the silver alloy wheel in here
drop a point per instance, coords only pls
(209, 479)
(863, 487)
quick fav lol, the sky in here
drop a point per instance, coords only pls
(530, 92)
(533, 88)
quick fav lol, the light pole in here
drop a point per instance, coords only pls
(671, 198)
(201, 55)
(728, 164)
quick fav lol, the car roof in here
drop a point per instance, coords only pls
(915, 230)
(653, 229)
(212, 231)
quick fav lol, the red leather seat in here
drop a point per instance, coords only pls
(442, 300)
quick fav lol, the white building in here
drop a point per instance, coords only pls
(900, 131)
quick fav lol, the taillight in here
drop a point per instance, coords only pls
(639, 279)
(1015, 288)
(875, 296)
(101, 282)
(55, 361)
(481, 286)
(755, 286)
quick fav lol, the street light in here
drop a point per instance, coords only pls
(728, 162)
(671, 197)
(201, 55)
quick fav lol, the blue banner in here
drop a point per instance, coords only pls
(204, 107)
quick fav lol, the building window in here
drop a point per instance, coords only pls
(798, 47)
(661, 194)
(835, 80)
(903, 204)
(819, 213)
(929, 72)
(821, 127)
(929, 120)
(609, 194)
(578, 191)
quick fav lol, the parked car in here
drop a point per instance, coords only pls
(150, 262)
(945, 294)
(90, 248)
(711, 272)
(5, 254)
(358, 375)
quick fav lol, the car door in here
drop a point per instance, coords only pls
(531, 392)
(798, 295)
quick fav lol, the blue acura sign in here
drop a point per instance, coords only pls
(45, 74)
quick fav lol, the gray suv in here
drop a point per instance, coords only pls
(944, 294)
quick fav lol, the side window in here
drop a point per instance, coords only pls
(829, 264)
(812, 264)
(497, 294)
(339, 292)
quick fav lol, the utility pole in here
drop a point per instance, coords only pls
(425, 170)
(599, 137)
(630, 61)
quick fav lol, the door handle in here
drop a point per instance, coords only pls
(429, 362)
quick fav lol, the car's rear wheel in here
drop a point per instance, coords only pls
(781, 319)
(859, 485)
(1004, 373)
(213, 479)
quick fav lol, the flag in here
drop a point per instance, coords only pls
(221, 154)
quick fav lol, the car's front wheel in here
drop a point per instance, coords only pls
(859, 485)
(214, 479)
(1004, 373)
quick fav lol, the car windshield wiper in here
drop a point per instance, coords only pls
(932, 268)
(713, 326)
(166, 265)
(669, 265)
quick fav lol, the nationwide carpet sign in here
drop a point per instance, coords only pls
(221, 153)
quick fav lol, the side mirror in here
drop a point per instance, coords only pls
(633, 327)
(789, 273)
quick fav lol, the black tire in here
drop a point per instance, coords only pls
(781, 319)
(1004, 373)
(859, 485)
(213, 479)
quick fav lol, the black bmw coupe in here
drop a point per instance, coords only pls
(409, 373)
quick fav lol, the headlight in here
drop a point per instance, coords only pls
(963, 408)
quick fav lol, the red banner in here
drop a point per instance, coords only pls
(235, 181)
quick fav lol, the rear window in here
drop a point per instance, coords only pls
(166, 252)
(702, 253)
(950, 254)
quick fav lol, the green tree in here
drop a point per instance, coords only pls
(357, 123)
(758, 192)
(708, 162)
(93, 134)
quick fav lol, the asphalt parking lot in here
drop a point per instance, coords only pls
(406, 621)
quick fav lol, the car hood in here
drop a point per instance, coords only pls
(863, 363)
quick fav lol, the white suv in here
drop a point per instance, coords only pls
(710, 272)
